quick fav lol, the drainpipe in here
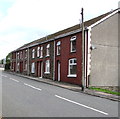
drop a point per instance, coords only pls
(54, 62)
(83, 52)
(86, 57)
(16, 63)
(28, 68)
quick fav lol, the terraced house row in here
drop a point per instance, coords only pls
(58, 56)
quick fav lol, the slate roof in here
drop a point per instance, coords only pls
(70, 29)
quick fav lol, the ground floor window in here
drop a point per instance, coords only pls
(47, 66)
(33, 67)
(18, 66)
(25, 66)
(72, 67)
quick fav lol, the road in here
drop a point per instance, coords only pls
(22, 97)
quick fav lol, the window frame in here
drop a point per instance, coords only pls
(47, 67)
(48, 50)
(58, 46)
(72, 64)
(18, 55)
(33, 53)
(25, 66)
(33, 67)
(38, 51)
(26, 51)
(18, 66)
(73, 38)
(21, 55)
(41, 51)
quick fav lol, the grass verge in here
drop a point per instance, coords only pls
(105, 91)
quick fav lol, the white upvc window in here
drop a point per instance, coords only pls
(72, 69)
(25, 53)
(33, 53)
(73, 44)
(58, 47)
(47, 66)
(18, 55)
(33, 67)
(25, 66)
(21, 55)
(18, 66)
(41, 51)
(48, 50)
(38, 52)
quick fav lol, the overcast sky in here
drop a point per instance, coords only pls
(22, 21)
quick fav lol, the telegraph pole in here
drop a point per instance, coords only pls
(83, 52)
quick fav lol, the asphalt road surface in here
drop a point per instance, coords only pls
(22, 97)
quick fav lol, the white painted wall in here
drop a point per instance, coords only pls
(104, 59)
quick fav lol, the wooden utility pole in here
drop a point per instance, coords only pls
(83, 52)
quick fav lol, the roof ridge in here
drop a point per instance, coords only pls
(69, 29)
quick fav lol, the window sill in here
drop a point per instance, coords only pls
(47, 55)
(73, 52)
(47, 72)
(72, 76)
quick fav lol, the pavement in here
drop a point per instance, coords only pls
(72, 87)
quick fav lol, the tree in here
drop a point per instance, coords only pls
(7, 64)
(1, 61)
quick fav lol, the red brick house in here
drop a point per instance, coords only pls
(57, 56)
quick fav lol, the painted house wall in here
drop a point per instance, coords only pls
(38, 60)
(13, 62)
(104, 59)
(64, 57)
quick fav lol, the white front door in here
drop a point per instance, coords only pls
(58, 71)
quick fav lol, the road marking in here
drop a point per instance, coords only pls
(4, 75)
(81, 105)
(32, 86)
(14, 80)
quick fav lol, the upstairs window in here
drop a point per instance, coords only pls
(38, 52)
(21, 55)
(72, 67)
(58, 47)
(41, 52)
(18, 55)
(73, 44)
(33, 53)
(48, 50)
(25, 53)
(47, 66)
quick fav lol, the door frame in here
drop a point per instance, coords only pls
(41, 69)
(58, 71)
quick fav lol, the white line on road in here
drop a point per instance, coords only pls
(14, 80)
(32, 86)
(4, 75)
(81, 105)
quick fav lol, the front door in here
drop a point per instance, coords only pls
(41, 69)
(58, 71)
(38, 69)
